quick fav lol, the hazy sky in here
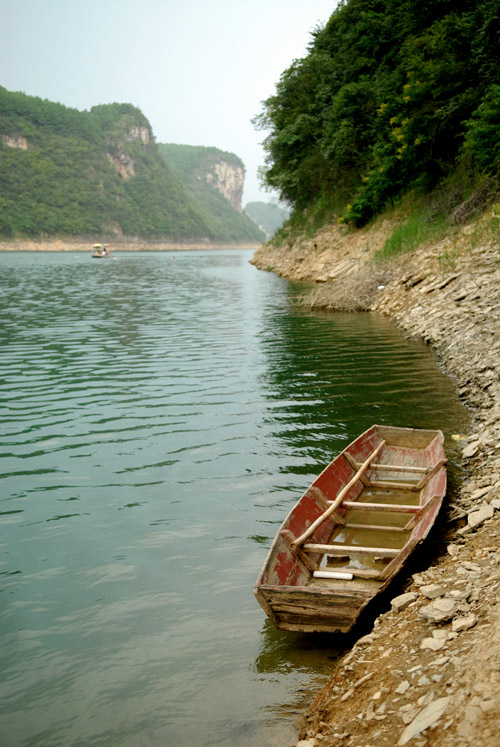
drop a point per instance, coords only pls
(198, 69)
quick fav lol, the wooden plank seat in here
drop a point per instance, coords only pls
(340, 550)
(423, 474)
(376, 527)
(389, 507)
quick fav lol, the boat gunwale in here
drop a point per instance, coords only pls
(429, 442)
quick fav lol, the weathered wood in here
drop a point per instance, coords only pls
(425, 479)
(422, 511)
(397, 563)
(388, 507)
(308, 562)
(399, 468)
(365, 573)
(289, 587)
(356, 465)
(338, 500)
(379, 527)
(393, 485)
(309, 595)
(321, 498)
(383, 552)
(390, 467)
(318, 496)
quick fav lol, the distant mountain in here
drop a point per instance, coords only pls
(268, 216)
(96, 173)
(214, 179)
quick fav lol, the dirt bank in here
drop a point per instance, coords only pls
(429, 672)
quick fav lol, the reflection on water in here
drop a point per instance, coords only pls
(160, 415)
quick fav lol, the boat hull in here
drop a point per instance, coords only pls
(329, 561)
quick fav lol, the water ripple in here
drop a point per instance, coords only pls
(160, 415)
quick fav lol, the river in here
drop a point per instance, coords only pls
(161, 412)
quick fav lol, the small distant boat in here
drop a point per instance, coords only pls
(353, 529)
(101, 251)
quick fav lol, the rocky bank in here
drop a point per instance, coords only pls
(429, 671)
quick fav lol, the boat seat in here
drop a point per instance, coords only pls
(340, 550)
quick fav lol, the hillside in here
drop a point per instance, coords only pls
(393, 98)
(96, 173)
(268, 216)
(214, 180)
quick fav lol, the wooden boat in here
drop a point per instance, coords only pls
(101, 251)
(353, 529)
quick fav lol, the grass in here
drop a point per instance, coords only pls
(419, 228)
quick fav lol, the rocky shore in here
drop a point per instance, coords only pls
(429, 671)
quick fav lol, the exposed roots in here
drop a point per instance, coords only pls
(353, 292)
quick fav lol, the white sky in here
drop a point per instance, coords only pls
(197, 69)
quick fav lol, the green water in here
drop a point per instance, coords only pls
(160, 415)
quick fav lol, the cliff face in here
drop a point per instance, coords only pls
(215, 179)
(228, 179)
(122, 162)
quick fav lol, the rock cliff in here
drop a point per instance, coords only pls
(215, 178)
(228, 178)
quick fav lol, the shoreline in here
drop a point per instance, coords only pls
(79, 245)
(429, 672)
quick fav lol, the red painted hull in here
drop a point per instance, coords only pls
(386, 509)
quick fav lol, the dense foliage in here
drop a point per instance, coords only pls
(192, 164)
(393, 96)
(93, 173)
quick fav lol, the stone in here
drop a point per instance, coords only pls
(426, 699)
(364, 679)
(480, 493)
(420, 579)
(463, 623)
(428, 717)
(439, 610)
(408, 713)
(471, 449)
(441, 634)
(495, 503)
(432, 591)
(403, 601)
(402, 687)
(476, 518)
(433, 644)
(440, 662)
